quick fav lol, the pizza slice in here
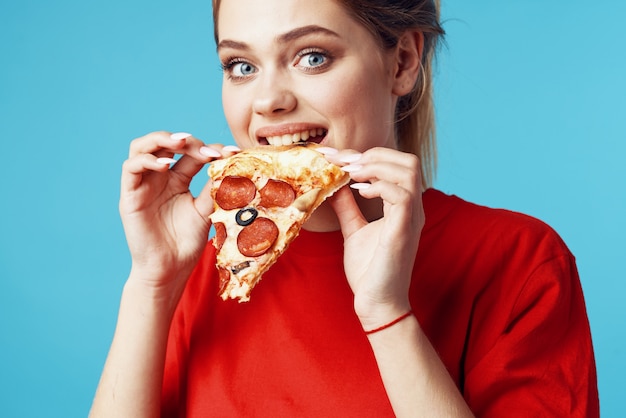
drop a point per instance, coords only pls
(262, 197)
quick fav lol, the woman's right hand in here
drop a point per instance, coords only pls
(166, 226)
(167, 229)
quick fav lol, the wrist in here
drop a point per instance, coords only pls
(389, 324)
(155, 287)
(375, 316)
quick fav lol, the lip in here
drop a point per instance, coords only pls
(262, 133)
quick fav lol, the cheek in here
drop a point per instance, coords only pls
(235, 110)
(356, 101)
(361, 91)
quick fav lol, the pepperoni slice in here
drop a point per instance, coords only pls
(220, 235)
(277, 193)
(224, 276)
(235, 192)
(258, 237)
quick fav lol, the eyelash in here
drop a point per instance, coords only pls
(227, 67)
(229, 63)
(326, 54)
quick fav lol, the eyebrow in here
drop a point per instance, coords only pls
(281, 39)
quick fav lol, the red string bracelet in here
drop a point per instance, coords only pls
(392, 323)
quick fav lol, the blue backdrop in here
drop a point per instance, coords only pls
(531, 106)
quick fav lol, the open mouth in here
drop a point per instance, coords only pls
(312, 135)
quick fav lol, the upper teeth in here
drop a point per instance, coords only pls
(289, 139)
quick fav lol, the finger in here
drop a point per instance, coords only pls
(206, 152)
(338, 157)
(229, 150)
(389, 192)
(135, 168)
(348, 212)
(198, 150)
(406, 204)
(348, 156)
(404, 208)
(156, 141)
(405, 159)
(187, 167)
(406, 177)
(384, 163)
(204, 202)
(225, 150)
(196, 155)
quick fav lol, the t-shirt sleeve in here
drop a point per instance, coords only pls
(542, 362)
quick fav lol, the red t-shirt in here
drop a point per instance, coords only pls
(496, 292)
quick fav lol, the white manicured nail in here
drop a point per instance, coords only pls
(165, 161)
(231, 148)
(327, 150)
(352, 158)
(351, 168)
(360, 186)
(210, 152)
(179, 136)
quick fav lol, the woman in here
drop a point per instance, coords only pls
(487, 319)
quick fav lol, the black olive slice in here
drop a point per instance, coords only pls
(245, 217)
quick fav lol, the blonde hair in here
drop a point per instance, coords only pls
(415, 112)
(388, 20)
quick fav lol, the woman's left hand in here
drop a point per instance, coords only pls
(380, 243)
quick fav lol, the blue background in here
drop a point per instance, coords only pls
(531, 108)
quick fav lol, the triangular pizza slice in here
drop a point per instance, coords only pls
(262, 197)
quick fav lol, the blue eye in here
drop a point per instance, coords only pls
(242, 69)
(315, 60)
(312, 59)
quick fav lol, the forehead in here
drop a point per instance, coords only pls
(257, 19)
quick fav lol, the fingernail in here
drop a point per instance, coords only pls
(352, 158)
(179, 136)
(165, 160)
(327, 150)
(210, 152)
(351, 168)
(360, 186)
(231, 148)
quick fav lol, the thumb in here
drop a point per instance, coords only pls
(348, 212)
(204, 202)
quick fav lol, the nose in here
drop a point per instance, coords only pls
(274, 97)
